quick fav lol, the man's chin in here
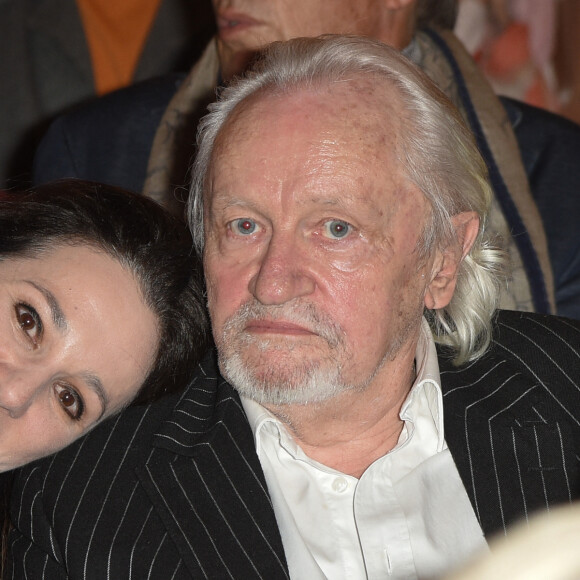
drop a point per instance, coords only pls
(279, 381)
(234, 61)
(276, 367)
(290, 350)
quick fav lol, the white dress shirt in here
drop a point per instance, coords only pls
(408, 516)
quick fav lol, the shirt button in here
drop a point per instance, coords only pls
(340, 484)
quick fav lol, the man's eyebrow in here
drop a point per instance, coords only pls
(96, 385)
(227, 201)
(56, 312)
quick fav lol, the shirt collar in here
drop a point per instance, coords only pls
(425, 400)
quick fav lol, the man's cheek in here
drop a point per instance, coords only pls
(213, 297)
(224, 299)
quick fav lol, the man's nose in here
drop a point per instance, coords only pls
(283, 274)
(18, 388)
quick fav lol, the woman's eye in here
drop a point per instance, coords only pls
(29, 322)
(244, 226)
(70, 401)
(337, 229)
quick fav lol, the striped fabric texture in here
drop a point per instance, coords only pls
(174, 490)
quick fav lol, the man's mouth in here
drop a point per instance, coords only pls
(276, 327)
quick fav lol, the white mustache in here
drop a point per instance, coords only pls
(304, 315)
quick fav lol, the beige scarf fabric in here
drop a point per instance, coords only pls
(503, 144)
(174, 145)
(174, 142)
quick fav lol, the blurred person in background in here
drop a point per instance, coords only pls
(514, 42)
(58, 53)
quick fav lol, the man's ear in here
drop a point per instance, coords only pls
(440, 290)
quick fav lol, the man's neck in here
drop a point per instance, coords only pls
(399, 26)
(352, 430)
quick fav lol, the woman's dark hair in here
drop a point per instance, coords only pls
(154, 246)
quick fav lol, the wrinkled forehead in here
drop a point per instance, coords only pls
(338, 144)
(357, 110)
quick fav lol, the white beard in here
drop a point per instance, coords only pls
(294, 379)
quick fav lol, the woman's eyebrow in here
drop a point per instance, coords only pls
(96, 385)
(56, 312)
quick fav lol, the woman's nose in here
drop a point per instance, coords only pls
(18, 388)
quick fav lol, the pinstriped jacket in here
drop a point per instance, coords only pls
(175, 490)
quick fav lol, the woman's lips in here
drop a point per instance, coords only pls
(230, 23)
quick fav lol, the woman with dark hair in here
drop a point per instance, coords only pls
(100, 306)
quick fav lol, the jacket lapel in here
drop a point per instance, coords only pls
(205, 480)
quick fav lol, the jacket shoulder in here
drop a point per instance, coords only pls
(107, 139)
(523, 116)
(522, 331)
(528, 351)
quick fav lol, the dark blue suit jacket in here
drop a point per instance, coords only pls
(110, 140)
(550, 150)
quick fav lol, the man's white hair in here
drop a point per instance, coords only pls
(437, 153)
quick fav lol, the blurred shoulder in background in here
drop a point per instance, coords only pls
(58, 53)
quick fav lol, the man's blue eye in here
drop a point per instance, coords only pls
(337, 229)
(244, 226)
